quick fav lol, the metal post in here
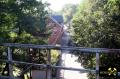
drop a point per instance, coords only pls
(10, 64)
(97, 65)
(59, 64)
(49, 64)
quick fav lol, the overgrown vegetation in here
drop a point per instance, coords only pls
(22, 21)
(97, 24)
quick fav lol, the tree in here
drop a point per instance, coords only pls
(21, 21)
(20, 17)
(96, 24)
(68, 12)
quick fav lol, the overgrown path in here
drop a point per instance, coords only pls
(69, 60)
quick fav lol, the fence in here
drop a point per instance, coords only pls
(48, 66)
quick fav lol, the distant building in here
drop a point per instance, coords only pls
(58, 18)
(55, 24)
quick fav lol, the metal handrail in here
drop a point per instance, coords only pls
(70, 48)
(51, 66)
(97, 51)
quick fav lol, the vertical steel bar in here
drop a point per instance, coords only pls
(10, 64)
(97, 65)
(49, 64)
(59, 63)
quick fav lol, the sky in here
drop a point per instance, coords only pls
(57, 5)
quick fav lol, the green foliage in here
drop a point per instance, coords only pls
(54, 56)
(19, 17)
(68, 12)
(96, 24)
(21, 21)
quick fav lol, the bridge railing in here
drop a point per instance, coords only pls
(48, 66)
